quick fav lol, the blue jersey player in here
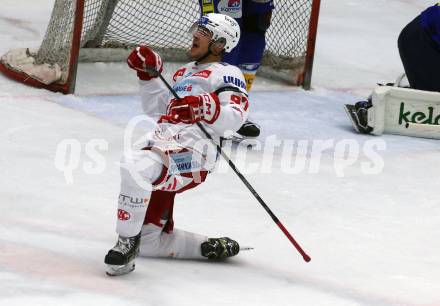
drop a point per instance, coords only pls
(419, 48)
(254, 18)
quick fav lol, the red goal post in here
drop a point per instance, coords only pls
(106, 30)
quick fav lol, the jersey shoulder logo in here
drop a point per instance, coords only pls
(179, 73)
(228, 79)
(203, 74)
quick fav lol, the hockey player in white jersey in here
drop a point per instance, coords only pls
(178, 156)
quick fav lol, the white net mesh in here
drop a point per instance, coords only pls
(55, 48)
(163, 25)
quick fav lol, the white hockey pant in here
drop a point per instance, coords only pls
(138, 173)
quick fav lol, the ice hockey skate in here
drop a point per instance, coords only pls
(220, 248)
(246, 135)
(351, 113)
(120, 259)
(358, 115)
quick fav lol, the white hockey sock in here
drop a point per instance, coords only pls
(177, 244)
(137, 173)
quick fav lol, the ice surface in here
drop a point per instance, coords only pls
(373, 238)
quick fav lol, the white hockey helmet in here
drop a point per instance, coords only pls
(224, 29)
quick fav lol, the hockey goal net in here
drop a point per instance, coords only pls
(106, 30)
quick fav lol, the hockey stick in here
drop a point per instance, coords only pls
(244, 180)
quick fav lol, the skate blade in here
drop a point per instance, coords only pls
(248, 142)
(117, 270)
(349, 109)
(246, 248)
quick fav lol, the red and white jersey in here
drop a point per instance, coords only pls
(194, 79)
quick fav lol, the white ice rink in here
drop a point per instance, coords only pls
(373, 233)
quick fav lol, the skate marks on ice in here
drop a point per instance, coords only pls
(74, 276)
(62, 272)
(56, 258)
(58, 272)
(20, 24)
(309, 285)
(255, 282)
(85, 274)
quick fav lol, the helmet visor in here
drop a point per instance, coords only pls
(199, 30)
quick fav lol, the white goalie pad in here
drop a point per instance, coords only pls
(21, 60)
(405, 111)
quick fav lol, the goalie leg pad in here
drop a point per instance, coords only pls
(394, 107)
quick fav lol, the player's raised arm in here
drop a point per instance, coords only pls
(154, 95)
(224, 109)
